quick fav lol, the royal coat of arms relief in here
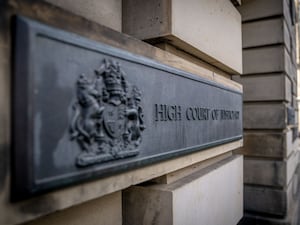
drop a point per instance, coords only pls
(107, 118)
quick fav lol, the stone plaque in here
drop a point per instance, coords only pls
(84, 110)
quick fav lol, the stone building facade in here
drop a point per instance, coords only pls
(269, 80)
(247, 46)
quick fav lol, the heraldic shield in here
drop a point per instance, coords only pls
(107, 117)
(114, 120)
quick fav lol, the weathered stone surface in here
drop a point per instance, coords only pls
(289, 67)
(263, 32)
(286, 37)
(261, 144)
(264, 116)
(293, 51)
(291, 166)
(297, 114)
(186, 201)
(73, 23)
(295, 103)
(62, 199)
(271, 87)
(264, 60)
(289, 143)
(105, 12)
(287, 15)
(217, 31)
(155, 146)
(178, 174)
(205, 68)
(293, 34)
(275, 202)
(14, 213)
(102, 211)
(290, 219)
(269, 172)
(264, 172)
(268, 59)
(251, 10)
(145, 205)
(224, 196)
(146, 19)
(266, 200)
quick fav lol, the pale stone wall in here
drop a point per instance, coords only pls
(209, 30)
(270, 140)
(103, 211)
(207, 33)
(79, 203)
(104, 12)
(211, 195)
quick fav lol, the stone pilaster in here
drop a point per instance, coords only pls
(270, 125)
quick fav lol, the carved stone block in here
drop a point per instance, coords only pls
(84, 110)
(209, 31)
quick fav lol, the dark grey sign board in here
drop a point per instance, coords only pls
(83, 110)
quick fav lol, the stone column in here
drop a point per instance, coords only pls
(270, 112)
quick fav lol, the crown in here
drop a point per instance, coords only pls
(112, 77)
